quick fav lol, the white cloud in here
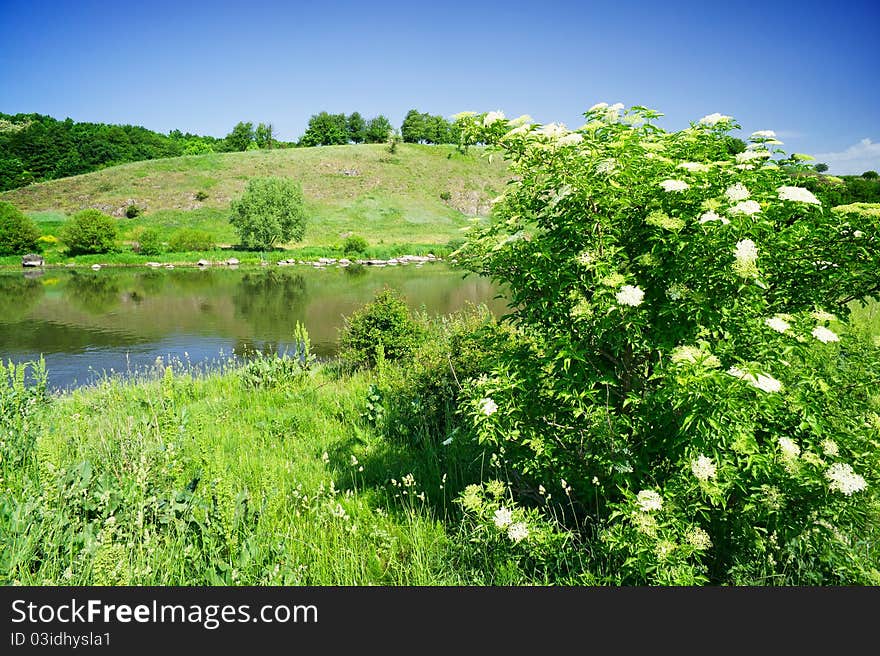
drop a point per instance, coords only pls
(855, 160)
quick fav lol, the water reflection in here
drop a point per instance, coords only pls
(87, 322)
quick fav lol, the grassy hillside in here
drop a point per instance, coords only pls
(421, 194)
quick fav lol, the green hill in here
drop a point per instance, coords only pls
(420, 194)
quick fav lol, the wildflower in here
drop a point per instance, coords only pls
(354, 461)
(751, 155)
(492, 117)
(601, 105)
(582, 309)
(824, 335)
(763, 134)
(676, 291)
(842, 478)
(325, 457)
(820, 315)
(630, 295)
(829, 448)
(674, 185)
(746, 252)
(338, 511)
(606, 166)
(542, 490)
(703, 468)
(694, 167)
(747, 207)
(798, 195)
(409, 480)
(502, 517)
(488, 406)
(698, 538)
(552, 130)
(778, 324)
(737, 192)
(790, 449)
(762, 382)
(518, 532)
(522, 129)
(447, 441)
(858, 234)
(570, 139)
(585, 258)
(715, 119)
(520, 121)
(649, 500)
(496, 488)
(664, 549)
(706, 217)
(645, 523)
(613, 280)
(471, 498)
(663, 220)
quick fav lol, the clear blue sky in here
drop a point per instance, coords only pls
(810, 70)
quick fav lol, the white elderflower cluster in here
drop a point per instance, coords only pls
(790, 449)
(762, 382)
(674, 185)
(715, 119)
(693, 355)
(698, 538)
(570, 139)
(737, 192)
(630, 295)
(493, 117)
(829, 448)
(649, 501)
(750, 156)
(778, 324)
(676, 291)
(842, 478)
(821, 315)
(762, 134)
(552, 130)
(693, 167)
(747, 207)
(745, 256)
(502, 517)
(518, 532)
(798, 195)
(824, 335)
(488, 406)
(711, 215)
(703, 468)
(585, 258)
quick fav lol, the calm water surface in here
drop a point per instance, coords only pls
(90, 323)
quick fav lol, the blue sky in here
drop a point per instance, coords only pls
(808, 70)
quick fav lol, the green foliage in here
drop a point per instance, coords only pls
(384, 325)
(264, 135)
(821, 167)
(201, 195)
(18, 233)
(271, 210)
(89, 231)
(241, 137)
(326, 130)
(378, 129)
(424, 128)
(132, 211)
(39, 148)
(676, 370)
(272, 370)
(190, 239)
(149, 242)
(393, 140)
(870, 175)
(354, 244)
(356, 127)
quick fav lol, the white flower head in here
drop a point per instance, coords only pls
(447, 441)
(751, 155)
(703, 468)
(711, 215)
(746, 251)
(747, 207)
(488, 406)
(763, 134)
(520, 121)
(694, 167)
(649, 500)
(570, 139)
(552, 130)
(518, 532)
(601, 105)
(763, 382)
(630, 295)
(778, 324)
(492, 117)
(698, 539)
(502, 517)
(737, 192)
(674, 185)
(829, 448)
(790, 449)
(798, 195)
(842, 478)
(715, 119)
(824, 335)
(821, 315)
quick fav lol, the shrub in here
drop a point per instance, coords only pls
(89, 231)
(201, 195)
(354, 244)
(149, 242)
(384, 325)
(445, 195)
(190, 239)
(18, 233)
(272, 209)
(132, 211)
(685, 380)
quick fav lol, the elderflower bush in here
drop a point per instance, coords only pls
(682, 319)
